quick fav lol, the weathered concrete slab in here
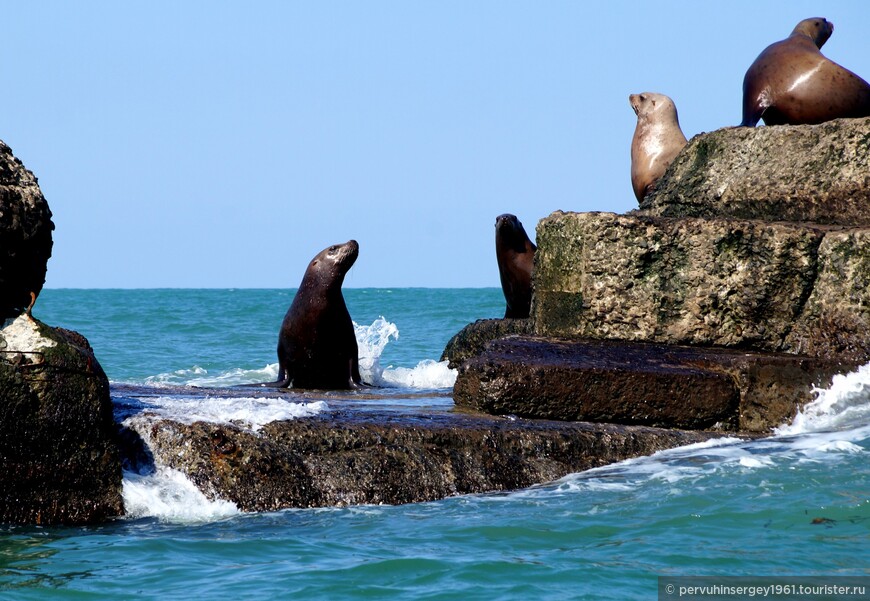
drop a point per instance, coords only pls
(779, 287)
(812, 173)
(637, 383)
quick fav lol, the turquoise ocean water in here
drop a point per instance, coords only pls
(797, 503)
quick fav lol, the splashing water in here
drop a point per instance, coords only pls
(248, 412)
(170, 496)
(371, 341)
(844, 405)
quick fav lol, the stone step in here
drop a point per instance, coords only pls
(639, 383)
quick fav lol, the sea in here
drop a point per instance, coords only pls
(795, 503)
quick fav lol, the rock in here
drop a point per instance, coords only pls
(59, 462)
(353, 457)
(639, 383)
(777, 287)
(755, 242)
(807, 173)
(472, 339)
(25, 235)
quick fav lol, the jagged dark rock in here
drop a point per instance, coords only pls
(59, 461)
(471, 340)
(350, 458)
(25, 235)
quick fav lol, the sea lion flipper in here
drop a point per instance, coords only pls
(751, 116)
(355, 378)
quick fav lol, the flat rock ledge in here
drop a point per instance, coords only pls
(365, 457)
(640, 383)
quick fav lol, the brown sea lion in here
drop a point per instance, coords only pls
(316, 345)
(791, 82)
(515, 254)
(657, 139)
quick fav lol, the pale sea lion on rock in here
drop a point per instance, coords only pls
(316, 345)
(791, 82)
(657, 140)
(516, 255)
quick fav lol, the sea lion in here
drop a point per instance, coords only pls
(657, 140)
(791, 82)
(515, 254)
(316, 345)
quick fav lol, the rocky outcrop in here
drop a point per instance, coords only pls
(59, 462)
(25, 235)
(370, 457)
(472, 339)
(808, 173)
(753, 243)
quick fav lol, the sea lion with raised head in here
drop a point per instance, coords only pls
(792, 82)
(657, 139)
(316, 345)
(515, 254)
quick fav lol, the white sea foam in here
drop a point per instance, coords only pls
(426, 375)
(169, 496)
(249, 412)
(845, 405)
(373, 339)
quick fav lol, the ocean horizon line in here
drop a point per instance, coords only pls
(133, 288)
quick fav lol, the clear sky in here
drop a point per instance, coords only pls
(224, 144)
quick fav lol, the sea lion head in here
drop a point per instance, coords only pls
(332, 263)
(649, 104)
(510, 233)
(818, 29)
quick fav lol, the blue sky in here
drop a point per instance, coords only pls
(224, 144)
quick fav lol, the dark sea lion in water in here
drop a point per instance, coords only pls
(791, 82)
(515, 254)
(657, 140)
(316, 345)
